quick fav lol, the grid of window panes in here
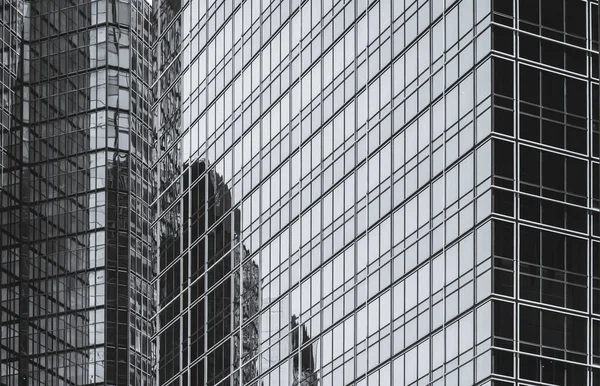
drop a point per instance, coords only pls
(54, 184)
(546, 236)
(137, 138)
(76, 268)
(346, 147)
(11, 23)
(11, 19)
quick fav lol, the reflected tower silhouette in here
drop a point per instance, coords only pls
(304, 369)
(218, 292)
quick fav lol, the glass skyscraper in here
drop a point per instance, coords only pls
(300, 192)
(11, 19)
(415, 181)
(76, 291)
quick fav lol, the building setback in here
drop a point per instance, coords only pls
(299, 192)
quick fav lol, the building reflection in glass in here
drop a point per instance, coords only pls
(304, 369)
(393, 166)
(205, 292)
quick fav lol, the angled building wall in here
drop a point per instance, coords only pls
(79, 157)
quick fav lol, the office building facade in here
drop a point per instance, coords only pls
(545, 192)
(416, 182)
(300, 193)
(76, 250)
(10, 93)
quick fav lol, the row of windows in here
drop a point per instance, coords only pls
(299, 261)
(341, 44)
(561, 20)
(549, 161)
(347, 190)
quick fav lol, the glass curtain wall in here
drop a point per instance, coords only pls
(545, 235)
(76, 247)
(11, 108)
(299, 192)
(325, 175)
